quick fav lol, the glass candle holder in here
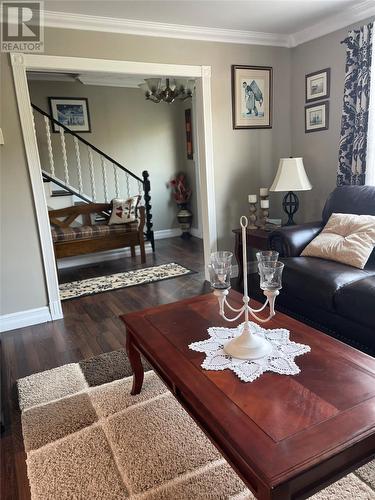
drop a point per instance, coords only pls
(220, 269)
(270, 275)
(267, 256)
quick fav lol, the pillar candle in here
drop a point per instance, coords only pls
(264, 203)
(263, 191)
(252, 198)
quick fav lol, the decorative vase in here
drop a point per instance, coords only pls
(184, 217)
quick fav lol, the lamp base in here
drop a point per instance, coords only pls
(248, 345)
(290, 206)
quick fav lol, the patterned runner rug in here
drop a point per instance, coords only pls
(90, 286)
(87, 438)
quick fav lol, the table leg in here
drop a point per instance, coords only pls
(238, 255)
(135, 363)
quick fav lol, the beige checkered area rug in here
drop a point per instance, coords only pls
(86, 438)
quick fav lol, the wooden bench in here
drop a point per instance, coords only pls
(71, 237)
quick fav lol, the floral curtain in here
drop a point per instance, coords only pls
(354, 124)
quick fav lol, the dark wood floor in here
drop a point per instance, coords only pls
(90, 327)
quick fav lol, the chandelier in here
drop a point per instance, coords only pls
(157, 91)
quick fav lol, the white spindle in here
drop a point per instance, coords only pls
(105, 186)
(49, 146)
(79, 169)
(127, 184)
(65, 158)
(92, 176)
(117, 186)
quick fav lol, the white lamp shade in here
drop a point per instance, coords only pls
(291, 176)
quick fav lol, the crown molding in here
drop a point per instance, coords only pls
(350, 15)
(346, 17)
(145, 28)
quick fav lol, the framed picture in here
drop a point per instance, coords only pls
(73, 112)
(317, 85)
(252, 97)
(189, 134)
(317, 117)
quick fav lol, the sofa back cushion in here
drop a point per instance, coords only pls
(358, 200)
(346, 238)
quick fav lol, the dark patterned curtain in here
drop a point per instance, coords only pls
(354, 124)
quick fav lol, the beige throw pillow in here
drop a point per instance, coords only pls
(124, 211)
(346, 238)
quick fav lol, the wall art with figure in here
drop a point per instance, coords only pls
(252, 97)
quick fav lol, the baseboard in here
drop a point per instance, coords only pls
(93, 258)
(167, 233)
(24, 318)
(172, 233)
(196, 233)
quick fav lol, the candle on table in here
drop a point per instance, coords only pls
(252, 198)
(263, 191)
(264, 203)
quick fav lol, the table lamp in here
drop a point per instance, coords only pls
(290, 177)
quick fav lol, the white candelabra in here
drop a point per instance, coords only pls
(249, 345)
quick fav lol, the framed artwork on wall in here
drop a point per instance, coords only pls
(251, 97)
(317, 117)
(73, 112)
(189, 134)
(317, 85)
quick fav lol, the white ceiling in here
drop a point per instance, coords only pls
(284, 23)
(270, 16)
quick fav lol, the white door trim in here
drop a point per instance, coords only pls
(19, 66)
(36, 62)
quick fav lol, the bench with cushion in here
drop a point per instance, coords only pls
(75, 231)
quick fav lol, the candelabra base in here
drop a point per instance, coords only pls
(248, 346)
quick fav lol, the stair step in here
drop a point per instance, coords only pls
(60, 192)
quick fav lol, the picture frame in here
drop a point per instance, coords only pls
(189, 134)
(317, 85)
(251, 97)
(317, 117)
(73, 112)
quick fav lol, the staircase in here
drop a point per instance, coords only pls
(75, 171)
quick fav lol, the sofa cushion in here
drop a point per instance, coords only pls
(60, 234)
(124, 211)
(346, 238)
(317, 280)
(356, 301)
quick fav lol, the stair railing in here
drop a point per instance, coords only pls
(144, 186)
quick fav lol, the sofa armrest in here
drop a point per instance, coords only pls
(289, 241)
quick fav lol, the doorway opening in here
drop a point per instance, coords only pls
(43, 72)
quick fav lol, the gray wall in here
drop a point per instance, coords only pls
(318, 149)
(138, 134)
(244, 160)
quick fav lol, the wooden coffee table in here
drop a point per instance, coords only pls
(286, 436)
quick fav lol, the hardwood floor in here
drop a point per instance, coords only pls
(90, 326)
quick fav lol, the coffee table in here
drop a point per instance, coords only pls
(286, 436)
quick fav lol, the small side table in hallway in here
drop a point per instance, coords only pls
(256, 239)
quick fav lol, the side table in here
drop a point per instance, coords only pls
(255, 238)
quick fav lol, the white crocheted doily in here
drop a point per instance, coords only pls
(279, 360)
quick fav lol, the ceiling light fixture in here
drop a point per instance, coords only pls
(156, 91)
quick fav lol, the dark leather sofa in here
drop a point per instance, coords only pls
(334, 297)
